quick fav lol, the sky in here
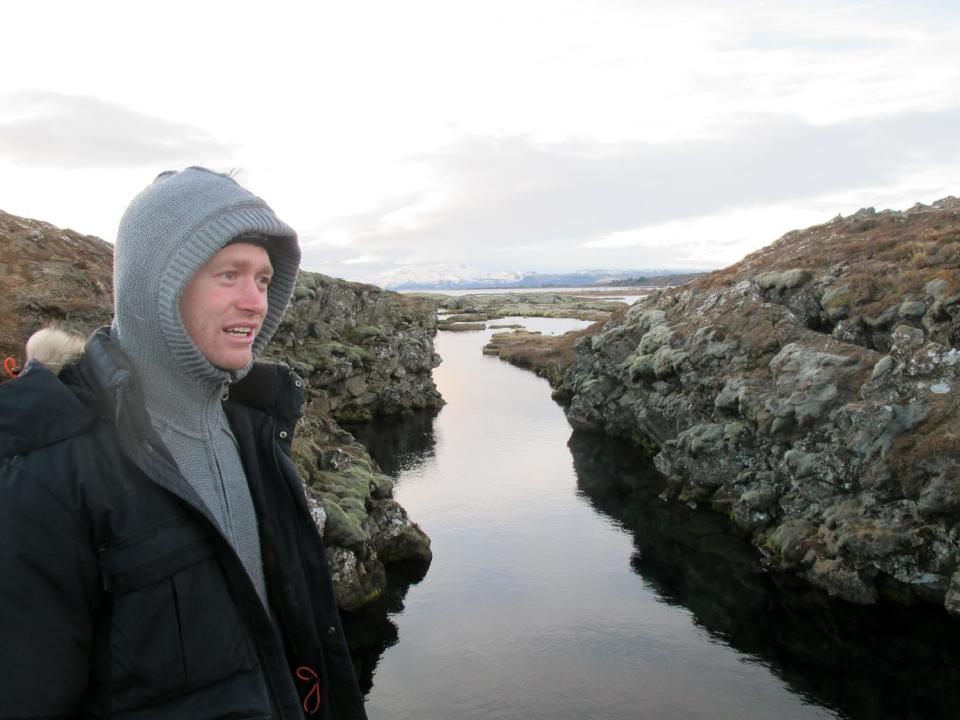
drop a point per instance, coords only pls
(495, 136)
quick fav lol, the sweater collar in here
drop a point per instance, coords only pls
(190, 407)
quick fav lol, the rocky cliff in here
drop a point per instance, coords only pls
(48, 274)
(362, 352)
(812, 393)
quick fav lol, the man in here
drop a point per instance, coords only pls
(157, 558)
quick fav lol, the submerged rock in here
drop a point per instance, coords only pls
(810, 392)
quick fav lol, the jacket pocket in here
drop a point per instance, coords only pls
(174, 625)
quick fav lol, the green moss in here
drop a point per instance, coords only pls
(462, 327)
(372, 595)
(354, 352)
(354, 414)
(343, 527)
(362, 333)
(468, 317)
(640, 366)
(302, 369)
(838, 297)
(646, 445)
(381, 486)
(301, 292)
(314, 355)
(351, 482)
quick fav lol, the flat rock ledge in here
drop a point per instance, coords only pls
(811, 393)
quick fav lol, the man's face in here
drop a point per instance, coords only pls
(224, 303)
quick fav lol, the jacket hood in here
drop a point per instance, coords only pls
(169, 230)
(37, 410)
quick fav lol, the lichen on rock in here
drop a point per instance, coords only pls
(812, 393)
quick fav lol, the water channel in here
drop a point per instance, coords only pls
(563, 588)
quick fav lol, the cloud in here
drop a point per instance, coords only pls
(364, 260)
(54, 130)
(513, 196)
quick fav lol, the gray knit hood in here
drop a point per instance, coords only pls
(169, 230)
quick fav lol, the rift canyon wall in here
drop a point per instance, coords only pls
(812, 393)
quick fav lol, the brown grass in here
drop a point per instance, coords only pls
(884, 258)
(548, 356)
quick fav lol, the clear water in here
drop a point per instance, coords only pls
(563, 588)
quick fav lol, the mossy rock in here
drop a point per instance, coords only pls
(655, 338)
(301, 292)
(791, 541)
(343, 528)
(354, 352)
(641, 366)
(467, 317)
(837, 301)
(363, 333)
(301, 368)
(462, 327)
(667, 361)
(354, 414)
(648, 448)
(354, 481)
(783, 280)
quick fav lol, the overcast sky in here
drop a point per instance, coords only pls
(501, 136)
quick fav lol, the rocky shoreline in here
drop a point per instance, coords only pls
(810, 393)
(362, 351)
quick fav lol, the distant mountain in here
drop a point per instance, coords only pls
(460, 277)
(661, 278)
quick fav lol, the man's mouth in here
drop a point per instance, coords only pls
(240, 331)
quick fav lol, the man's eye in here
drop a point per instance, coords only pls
(230, 275)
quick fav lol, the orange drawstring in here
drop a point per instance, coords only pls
(311, 702)
(10, 366)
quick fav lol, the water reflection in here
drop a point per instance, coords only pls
(862, 662)
(370, 631)
(398, 444)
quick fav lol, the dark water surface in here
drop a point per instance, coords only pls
(563, 588)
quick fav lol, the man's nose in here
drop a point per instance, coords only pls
(252, 297)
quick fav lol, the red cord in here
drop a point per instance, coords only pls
(311, 702)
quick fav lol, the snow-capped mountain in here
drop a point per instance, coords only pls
(419, 277)
(460, 277)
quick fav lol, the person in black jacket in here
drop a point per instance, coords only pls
(157, 556)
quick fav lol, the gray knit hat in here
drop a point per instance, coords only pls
(169, 230)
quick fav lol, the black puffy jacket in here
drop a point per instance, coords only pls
(119, 597)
